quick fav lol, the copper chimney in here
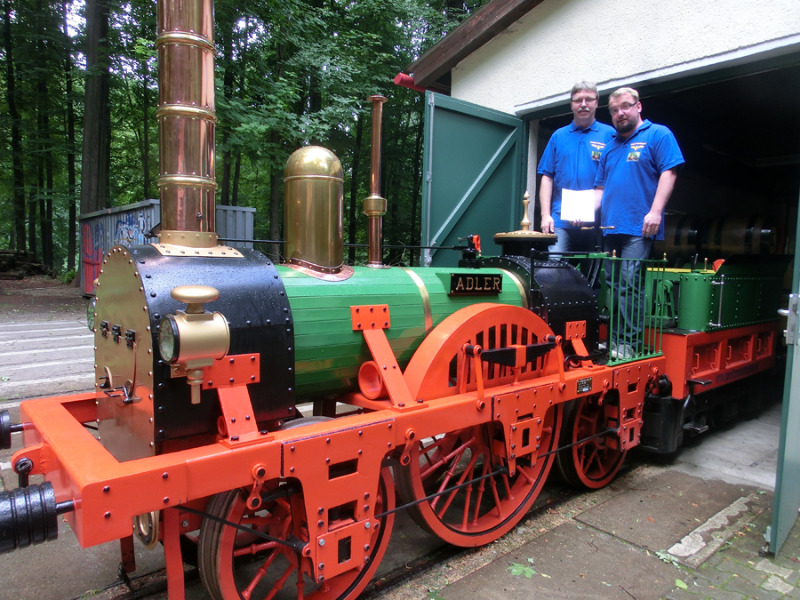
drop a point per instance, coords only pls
(187, 122)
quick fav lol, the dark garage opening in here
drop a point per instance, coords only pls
(739, 135)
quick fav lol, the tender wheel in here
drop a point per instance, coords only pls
(595, 461)
(236, 563)
(476, 499)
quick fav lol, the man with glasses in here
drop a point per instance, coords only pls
(570, 162)
(634, 181)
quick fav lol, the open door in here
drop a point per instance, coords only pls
(474, 162)
(787, 483)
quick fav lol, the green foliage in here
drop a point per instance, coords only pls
(522, 570)
(668, 558)
(68, 276)
(288, 73)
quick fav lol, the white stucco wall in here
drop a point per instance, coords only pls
(534, 62)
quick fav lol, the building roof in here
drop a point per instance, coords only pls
(432, 70)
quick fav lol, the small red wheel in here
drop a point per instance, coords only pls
(237, 564)
(594, 461)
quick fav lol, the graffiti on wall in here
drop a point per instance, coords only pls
(132, 229)
(100, 234)
(91, 254)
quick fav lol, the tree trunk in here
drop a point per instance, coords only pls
(45, 178)
(96, 120)
(391, 176)
(32, 222)
(353, 224)
(227, 91)
(73, 213)
(275, 214)
(237, 171)
(18, 192)
(147, 192)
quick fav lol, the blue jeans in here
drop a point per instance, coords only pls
(627, 286)
(573, 240)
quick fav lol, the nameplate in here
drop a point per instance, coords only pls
(475, 284)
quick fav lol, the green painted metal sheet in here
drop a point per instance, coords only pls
(474, 161)
(787, 483)
(328, 352)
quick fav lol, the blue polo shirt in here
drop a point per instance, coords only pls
(629, 172)
(571, 158)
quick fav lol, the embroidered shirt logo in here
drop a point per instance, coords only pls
(597, 149)
(636, 151)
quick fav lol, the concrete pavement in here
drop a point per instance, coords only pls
(691, 528)
(45, 357)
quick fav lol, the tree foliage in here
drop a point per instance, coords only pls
(289, 73)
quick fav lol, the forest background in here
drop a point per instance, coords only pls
(79, 92)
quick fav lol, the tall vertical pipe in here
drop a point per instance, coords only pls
(187, 121)
(375, 204)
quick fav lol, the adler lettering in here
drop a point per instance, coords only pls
(468, 284)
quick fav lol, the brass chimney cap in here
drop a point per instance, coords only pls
(313, 161)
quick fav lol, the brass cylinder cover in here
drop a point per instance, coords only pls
(314, 197)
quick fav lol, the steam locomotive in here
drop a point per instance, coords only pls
(266, 421)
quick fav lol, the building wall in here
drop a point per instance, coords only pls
(534, 63)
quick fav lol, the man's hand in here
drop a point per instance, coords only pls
(548, 225)
(666, 183)
(651, 222)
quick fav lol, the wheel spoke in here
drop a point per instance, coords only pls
(477, 500)
(240, 564)
(592, 462)
(451, 496)
(254, 549)
(498, 504)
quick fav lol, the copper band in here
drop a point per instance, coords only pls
(183, 110)
(523, 289)
(424, 296)
(185, 39)
(188, 181)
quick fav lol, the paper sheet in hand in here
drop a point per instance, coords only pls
(577, 205)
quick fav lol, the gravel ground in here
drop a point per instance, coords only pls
(39, 298)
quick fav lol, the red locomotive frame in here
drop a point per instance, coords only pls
(340, 465)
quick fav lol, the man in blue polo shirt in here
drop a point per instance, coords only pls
(634, 181)
(570, 162)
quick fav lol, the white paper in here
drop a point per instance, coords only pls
(577, 205)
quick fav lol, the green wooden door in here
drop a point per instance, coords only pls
(787, 483)
(474, 164)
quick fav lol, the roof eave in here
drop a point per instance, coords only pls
(488, 21)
